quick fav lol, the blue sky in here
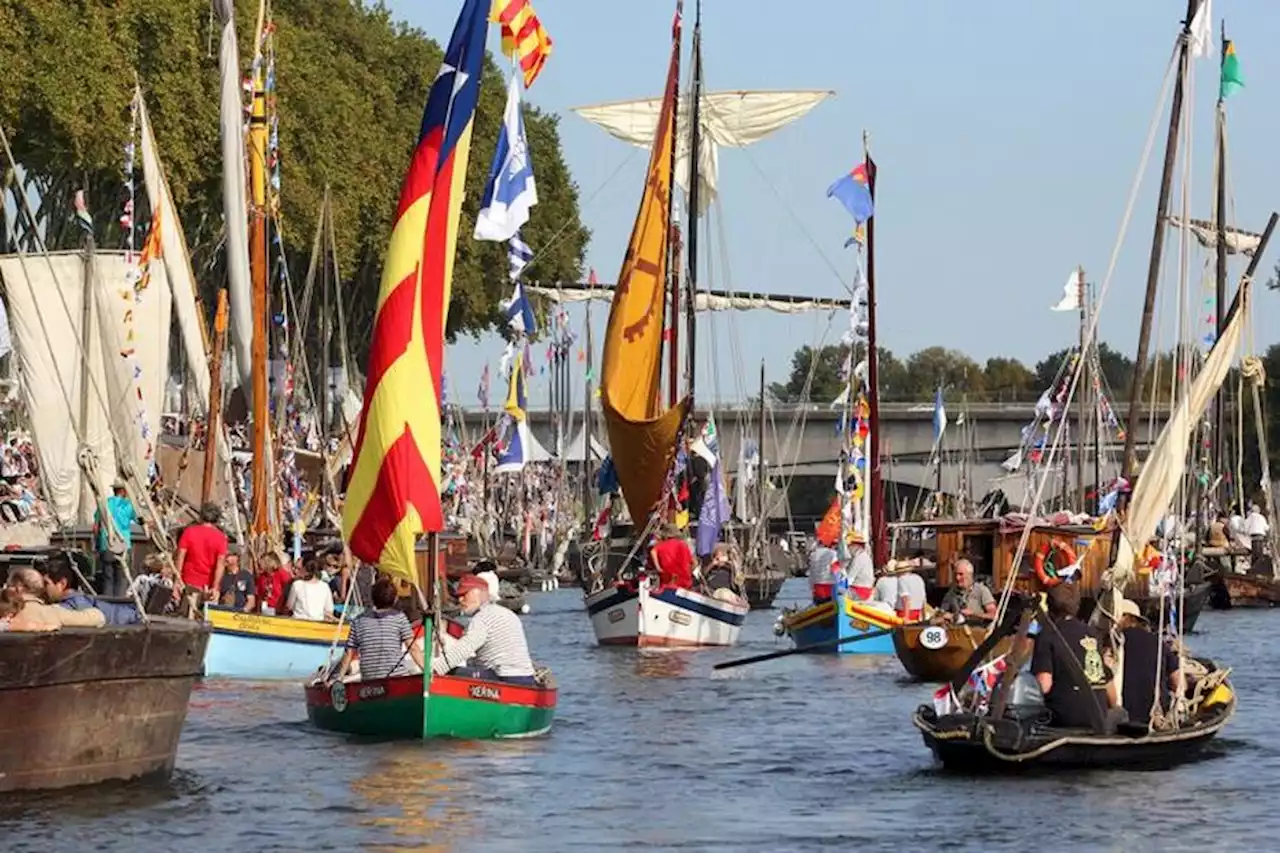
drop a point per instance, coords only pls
(1007, 135)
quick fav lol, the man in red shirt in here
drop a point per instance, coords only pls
(202, 553)
(673, 558)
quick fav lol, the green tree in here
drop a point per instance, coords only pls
(1009, 380)
(938, 366)
(824, 363)
(352, 84)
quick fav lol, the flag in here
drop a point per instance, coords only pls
(483, 391)
(83, 219)
(854, 192)
(517, 402)
(1200, 38)
(1232, 82)
(510, 191)
(519, 312)
(518, 256)
(511, 458)
(523, 37)
(939, 417)
(1071, 294)
(715, 509)
(394, 488)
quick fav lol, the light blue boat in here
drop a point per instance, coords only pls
(254, 646)
(818, 624)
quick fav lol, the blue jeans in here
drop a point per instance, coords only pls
(111, 574)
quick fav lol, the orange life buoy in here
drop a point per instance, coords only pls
(1048, 576)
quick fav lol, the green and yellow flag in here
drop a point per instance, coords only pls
(1232, 82)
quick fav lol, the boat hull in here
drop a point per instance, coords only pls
(1251, 590)
(962, 743)
(81, 706)
(818, 624)
(253, 646)
(666, 617)
(462, 708)
(939, 652)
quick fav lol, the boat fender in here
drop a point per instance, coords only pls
(1221, 695)
(1048, 575)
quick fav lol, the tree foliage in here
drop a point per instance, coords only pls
(352, 84)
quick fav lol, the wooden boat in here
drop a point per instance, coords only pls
(1195, 598)
(455, 707)
(253, 645)
(79, 706)
(938, 652)
(762, 585)
(1012, 743)
(1250, 590)
(637, 614)
(818, 623)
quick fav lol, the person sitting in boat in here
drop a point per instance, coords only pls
(967, 600)
(60, 588)
(720, 575)
(896, 591)
(672, 557)
(273, 583)
(202, 552)
(494, 647)
(238, 589)
(382, 637)
(310, 597)
(861, 571)
(824, 562)
(38, 614)
(912, 598)
(1139, 652)
(1056, 645)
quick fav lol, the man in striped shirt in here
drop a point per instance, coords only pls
(493, 647)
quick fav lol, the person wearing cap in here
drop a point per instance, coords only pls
(673, 558)
(493, 647)
(202, 553)
(861, 571)
(113, 539)
(1140, 658)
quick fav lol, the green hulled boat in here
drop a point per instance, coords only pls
(455, 707)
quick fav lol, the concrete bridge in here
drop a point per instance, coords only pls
(801, 440)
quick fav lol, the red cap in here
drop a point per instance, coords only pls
(470, 582)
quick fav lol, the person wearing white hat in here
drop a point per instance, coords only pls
(1141, 657)
(861, 571)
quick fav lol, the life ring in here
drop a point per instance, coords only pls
(1048, 577)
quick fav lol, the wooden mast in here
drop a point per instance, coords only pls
(1082, 391)
(326, 371)
(879, 532)
(672, 345)
(695, 136)
(1220, 289)
(213, 417)
(260, 516)
(1138, 384)
(587, 428)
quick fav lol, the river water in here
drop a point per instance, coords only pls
(654, 751)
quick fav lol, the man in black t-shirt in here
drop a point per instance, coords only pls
(1141, 651)
(238, 588)
(1056, 644)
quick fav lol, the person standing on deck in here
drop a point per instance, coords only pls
(310, 597)
(238, 589)
(824, 562)
(861, 572)
(113, 538)
(494, 647)
(202, 553)
(672, 557)
(1051, 662)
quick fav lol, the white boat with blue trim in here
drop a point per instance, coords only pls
(645, 616)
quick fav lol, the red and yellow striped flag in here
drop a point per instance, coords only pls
(523, 36)
(393, 493)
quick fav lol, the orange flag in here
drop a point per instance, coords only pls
(523, 37)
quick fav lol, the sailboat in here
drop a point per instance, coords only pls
(395, 492)
(978, 722)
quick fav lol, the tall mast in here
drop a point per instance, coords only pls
(326, 334)
(1081, 407)
(878, 534)
(695, 135)
(587, 428)
(673, 230)
(1220, 290)
(1138, 384)
(260, 517)
(213, 418)
(762, 522)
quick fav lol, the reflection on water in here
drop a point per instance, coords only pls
(650, 751)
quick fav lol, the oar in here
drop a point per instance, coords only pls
(829, 644)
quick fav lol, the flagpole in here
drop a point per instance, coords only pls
(877, 534)
(673, 229)
(1220, 288)
(1080, 397)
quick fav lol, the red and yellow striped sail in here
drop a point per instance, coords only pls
(523, 36)
(393, 493)
(641, 435)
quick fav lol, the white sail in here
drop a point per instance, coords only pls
(1206, 234)
(48, 341)
(235, 206)
(1162, 472)
(728, 119)
(177, 262)
(703, 300)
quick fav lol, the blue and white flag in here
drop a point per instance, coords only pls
(518, 256)
(510, 190)
(939, 417)
(512, 457)
(519, 312)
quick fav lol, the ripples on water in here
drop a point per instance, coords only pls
(654, 751)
